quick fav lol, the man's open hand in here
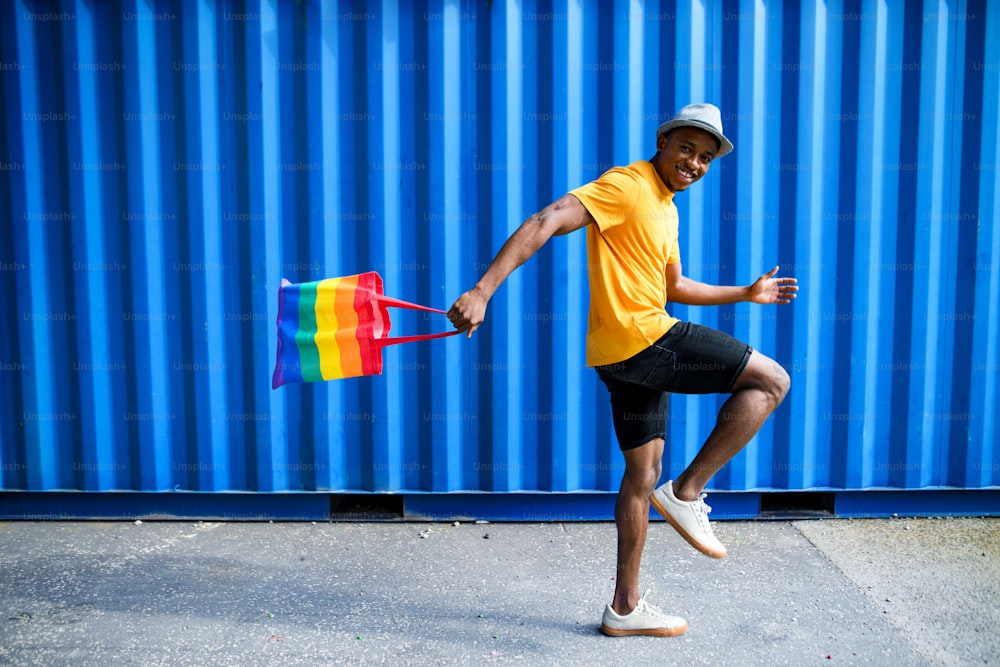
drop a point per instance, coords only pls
(767, 289)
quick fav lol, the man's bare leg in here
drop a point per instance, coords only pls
(755, 395)
(643, 466)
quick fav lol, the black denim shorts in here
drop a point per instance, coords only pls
(688, 359)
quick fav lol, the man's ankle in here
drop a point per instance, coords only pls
(684, 493)
(626, 605)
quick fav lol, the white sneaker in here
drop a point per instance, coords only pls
(690, 519)
(645, 619)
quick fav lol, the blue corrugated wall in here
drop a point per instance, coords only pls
(164, 165)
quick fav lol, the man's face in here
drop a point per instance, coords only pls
(683, 156)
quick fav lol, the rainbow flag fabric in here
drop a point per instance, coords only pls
(336, 328)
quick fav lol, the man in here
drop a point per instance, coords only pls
(641, 353)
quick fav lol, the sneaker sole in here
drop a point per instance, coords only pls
(708, 551)
(647, 632)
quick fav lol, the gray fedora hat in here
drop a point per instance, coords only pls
(704, 117)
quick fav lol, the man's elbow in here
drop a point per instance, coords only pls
(676, 292)
(535, 230)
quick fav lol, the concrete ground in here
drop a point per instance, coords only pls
(828, 592)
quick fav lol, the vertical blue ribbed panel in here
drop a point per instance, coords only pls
(163, 166)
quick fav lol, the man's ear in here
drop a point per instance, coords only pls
(661, 141)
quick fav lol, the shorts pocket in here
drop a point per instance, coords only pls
(661, 369)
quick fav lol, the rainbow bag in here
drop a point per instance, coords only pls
(336, 328)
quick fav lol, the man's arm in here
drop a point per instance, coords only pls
(562, 216)
(766, 289)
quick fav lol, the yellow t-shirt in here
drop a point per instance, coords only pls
(627, 256)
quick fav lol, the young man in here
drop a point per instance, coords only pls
(641, 353)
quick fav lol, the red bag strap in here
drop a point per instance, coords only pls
(399, 303)
(386, 342)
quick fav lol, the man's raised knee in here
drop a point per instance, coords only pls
(767, 375)
(778, 383)
(786, 382)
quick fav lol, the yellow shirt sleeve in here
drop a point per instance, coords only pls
(611, 198)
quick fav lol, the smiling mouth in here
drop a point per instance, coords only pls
(686, 173)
